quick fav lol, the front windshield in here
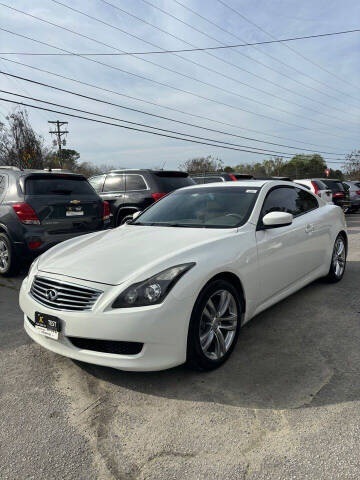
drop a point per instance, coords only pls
(212, 207)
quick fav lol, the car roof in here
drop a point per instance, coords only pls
(29, 171)
(146, 170)
(242, 183)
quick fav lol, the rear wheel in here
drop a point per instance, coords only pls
(338, 260)
(214, 326)
(8, 263)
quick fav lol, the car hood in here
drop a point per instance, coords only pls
(114, 256)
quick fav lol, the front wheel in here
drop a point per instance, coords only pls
(338, 260)
(214, 325)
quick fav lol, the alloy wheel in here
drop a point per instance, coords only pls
(339, 257)
(218, 324)
(4, 256)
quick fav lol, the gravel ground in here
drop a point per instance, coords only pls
(286, 405)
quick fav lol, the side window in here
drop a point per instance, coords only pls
(198, 180)
(213, 179)
(114, 183)
(306, 201)
(97, 183)
(135, 182)
(282, 199)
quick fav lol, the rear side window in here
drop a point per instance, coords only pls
(208, 179)
(290, 200)
(57, 185)
(198, 180)
(334, 186)
(97, 182)
(135, 182)
(114, 183)
(320, 185)
(169, 181)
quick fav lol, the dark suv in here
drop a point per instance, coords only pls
(213, 177)
(130, 191)
(340, 194)
(39, 209)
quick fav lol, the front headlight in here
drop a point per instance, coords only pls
(153, 290)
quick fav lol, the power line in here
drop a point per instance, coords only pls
(171, 70)
(137, 129)
(60, 133)
(197, 64)
(182, 90)
(193, 62)
(282, 40)
(251, 58)
(287, 46)
(159, 116)
(157, 104)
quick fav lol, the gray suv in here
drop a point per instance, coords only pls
(39, 209)
(354, 193)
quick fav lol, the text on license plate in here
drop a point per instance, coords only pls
(47, 325)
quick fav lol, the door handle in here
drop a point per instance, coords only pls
(309, 228)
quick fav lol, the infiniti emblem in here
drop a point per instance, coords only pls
(51, 294)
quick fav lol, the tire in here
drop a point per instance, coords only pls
(125, 219)
(9, 265)
(338, 260)
(120, 220)
(206, 323)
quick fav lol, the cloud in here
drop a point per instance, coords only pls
(303, 102)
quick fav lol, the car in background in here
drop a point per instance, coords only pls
(133, 190)
(177, 284)
(340, 194)
(213, 177)
(39, 209)
(354, 192)
(318, 187)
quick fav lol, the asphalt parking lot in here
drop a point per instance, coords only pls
(285, 406)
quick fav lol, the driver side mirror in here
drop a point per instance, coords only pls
(277, 219)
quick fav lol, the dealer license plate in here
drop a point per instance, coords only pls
(47, 325)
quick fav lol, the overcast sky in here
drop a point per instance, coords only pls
(311, 102)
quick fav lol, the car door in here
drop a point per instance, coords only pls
(137, 192)
(285, 254)
(113, 192)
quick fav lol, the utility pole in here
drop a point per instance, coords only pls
(59, 133)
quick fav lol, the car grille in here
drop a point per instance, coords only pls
(107, 346)
(62, 295)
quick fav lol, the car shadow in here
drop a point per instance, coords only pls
(303, 351)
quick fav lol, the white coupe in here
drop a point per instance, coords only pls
(177, 283)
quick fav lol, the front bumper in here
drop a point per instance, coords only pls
(161, 328)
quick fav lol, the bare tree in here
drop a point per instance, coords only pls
(352, 165)
(202, 165)
(20, 145)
